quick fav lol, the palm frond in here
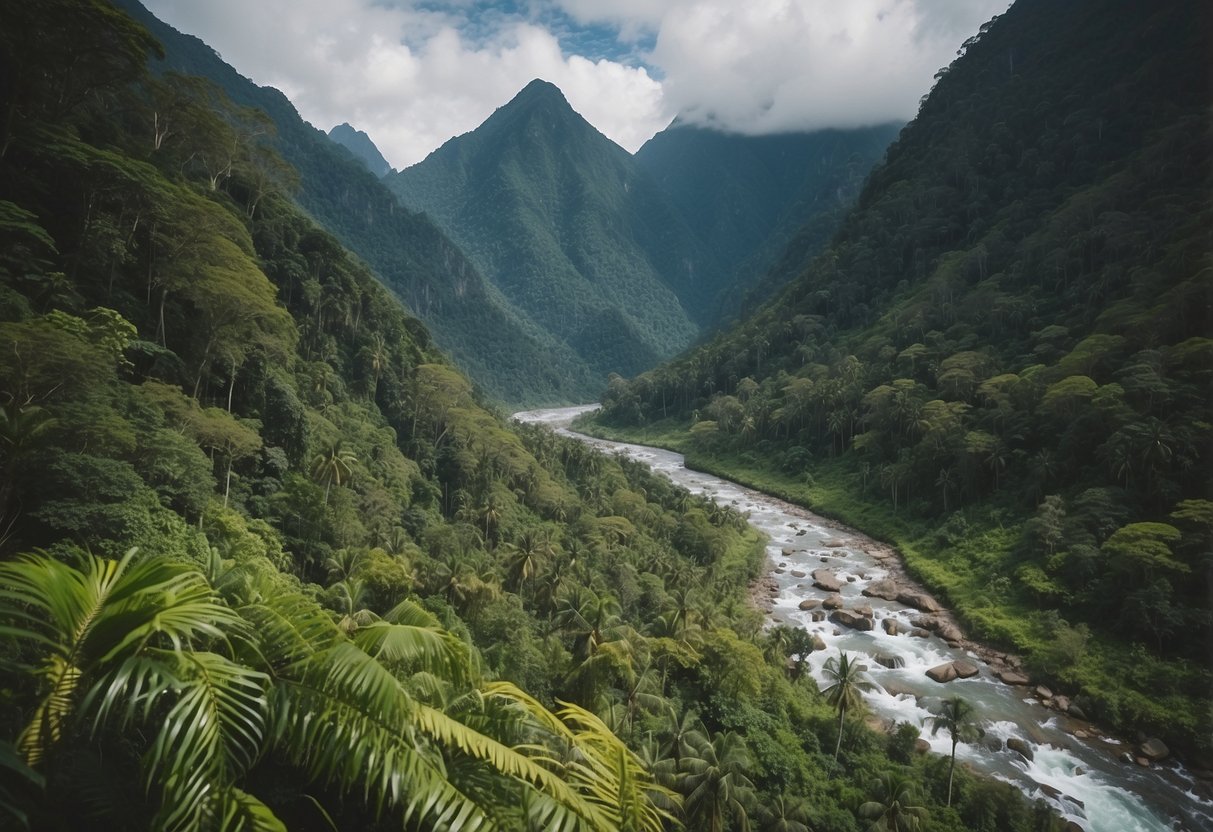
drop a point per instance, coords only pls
(415, 648)
(102, 612)
(210, 736)
(345, 719)
(241, 812)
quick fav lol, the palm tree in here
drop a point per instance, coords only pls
(113, 633)
(784, 814)
(683, 734)
(144, 653)
(946, 483)
(350, 596)
(523, 559)
(893, 810)
(956, 717)
(612, 778)
(715, 783)
(333, 467)
(845, 691)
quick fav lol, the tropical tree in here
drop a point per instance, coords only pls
(893, 808)
(333, 467)
(956, 717)
(716, 784)
(143, 655)
(848, 683)
(784, 814)
(112, 639)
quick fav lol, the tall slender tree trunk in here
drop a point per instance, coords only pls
(951, 770)
(231, 387)
(842, 715)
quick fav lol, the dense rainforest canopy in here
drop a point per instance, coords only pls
(1003, 361)
(267, 560)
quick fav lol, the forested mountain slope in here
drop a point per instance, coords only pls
(507, 356)
(571, 231)
(359, 143)
(1004, 358)
(747, 197)
(267, 562)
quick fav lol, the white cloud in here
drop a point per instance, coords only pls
(412, 78)
(766, 66)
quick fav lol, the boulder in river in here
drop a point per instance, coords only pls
(891, 662)
(819, 643)
(918, 599)
(965, 669)
(942, 672)
(1061, 703)
(850, 618)
(809, 604)
(890, 626)
(796, 573)
(863, 609)
(1043, 693)
(949, 631)
(832, 602)
(1012, 677)
(826, 580)
(941, 627)
(819, 615)
(958, 669)
(885, 588)
(834, 544)
(919, 632)
(788, 551)
(1020, 747)
(921, 746)
(1155, 749)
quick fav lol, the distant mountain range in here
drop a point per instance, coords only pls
(626, 258)
(505, 354)
(571, 230)
(541, 255)
(364, 150)
(747, 198)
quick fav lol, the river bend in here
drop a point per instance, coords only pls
(1086, 780)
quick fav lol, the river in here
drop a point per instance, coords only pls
(1086, 780)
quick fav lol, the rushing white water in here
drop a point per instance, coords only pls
(1085, 780)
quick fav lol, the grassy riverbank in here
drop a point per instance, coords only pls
(969, 562)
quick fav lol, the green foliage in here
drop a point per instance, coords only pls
(761, 204)
(490, 339)
(570, 230)
(346, 556)
(989, 337)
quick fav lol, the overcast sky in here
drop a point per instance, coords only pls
(413, 73)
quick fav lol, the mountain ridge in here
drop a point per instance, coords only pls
(560, 220)
(747, 197)
(504, 354)
(1002, 360)
(360, 144)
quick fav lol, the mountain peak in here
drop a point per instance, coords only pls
(540, 90)
(360, 145)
